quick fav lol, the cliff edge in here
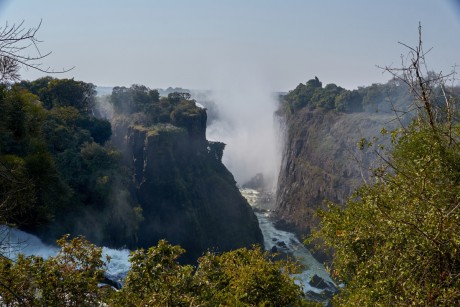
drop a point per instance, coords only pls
(186, 194)
(321, 161)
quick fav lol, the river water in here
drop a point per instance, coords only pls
(283, 242)
(14, 241)
(320, 287)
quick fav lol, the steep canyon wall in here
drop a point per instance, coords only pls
(321, 161)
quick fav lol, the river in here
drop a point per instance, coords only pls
(314, 279)
(14, 241)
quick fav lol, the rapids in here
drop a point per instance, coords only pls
(14, 241)
(314, 279)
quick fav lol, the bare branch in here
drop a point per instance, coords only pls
(425, 86)
(15, 41)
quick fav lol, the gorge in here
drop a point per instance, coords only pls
(159, 177)
(321, 160)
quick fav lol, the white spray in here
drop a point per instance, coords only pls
(246, 104)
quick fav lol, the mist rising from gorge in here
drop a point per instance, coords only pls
(246, 123)
(241, 106)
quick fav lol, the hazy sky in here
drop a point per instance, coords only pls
(201, 44)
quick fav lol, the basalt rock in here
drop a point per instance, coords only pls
(186, 194)
(321, 162)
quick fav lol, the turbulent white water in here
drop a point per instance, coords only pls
(14, 242)
(119, 264)
(287, 243)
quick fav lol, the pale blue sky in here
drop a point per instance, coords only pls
(207, 44)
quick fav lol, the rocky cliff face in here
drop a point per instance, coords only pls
(321, 162)
(186, 194)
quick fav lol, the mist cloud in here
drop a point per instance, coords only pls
(246, 103)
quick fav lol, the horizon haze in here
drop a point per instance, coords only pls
(242, 50)
(193, 44)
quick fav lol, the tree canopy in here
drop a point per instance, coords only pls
(397, 241)
(244, 277)
(54, 162)
(389, 97)
(63, 93)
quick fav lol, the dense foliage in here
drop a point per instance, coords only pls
(69, 279)
(397, 242)
(140, 105)
(63, 93)
(53, 156)
(236, 278)
(244, 277)
(375, 98)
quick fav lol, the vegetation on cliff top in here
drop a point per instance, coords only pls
(387, 97)
(179, 178)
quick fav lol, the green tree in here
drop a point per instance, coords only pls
(137, 98)
(397, 242)
(31, 187)
(69, 279)
(313, 95)
(157, 279)
(100, 129)
(349, 101)
(244, 277)
(52, 161)
(63, 93)
(17, 191)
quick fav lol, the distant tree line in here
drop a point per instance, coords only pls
(388, 97)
